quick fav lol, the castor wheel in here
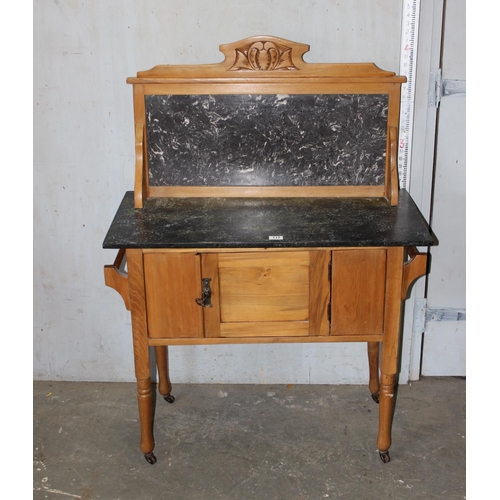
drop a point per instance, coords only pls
(384, 456)
(376, 397)
(150, 458)
(169, 398)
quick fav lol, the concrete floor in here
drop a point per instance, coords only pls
(240, 442)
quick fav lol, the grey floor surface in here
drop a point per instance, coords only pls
(265, 442)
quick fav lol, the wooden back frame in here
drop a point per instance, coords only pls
(265, 65)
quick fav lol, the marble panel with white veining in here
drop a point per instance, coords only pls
(266, 140)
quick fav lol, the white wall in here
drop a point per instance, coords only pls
(84, 162)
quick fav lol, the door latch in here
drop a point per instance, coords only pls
(206, 293)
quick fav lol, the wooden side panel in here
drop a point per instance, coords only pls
(319, 288)
(211, 315)
(264, 287)
(358, 291)
(391, 172)
(173, 282)
(141, 158)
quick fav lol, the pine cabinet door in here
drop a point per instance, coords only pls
(358, 291)
(173, 282)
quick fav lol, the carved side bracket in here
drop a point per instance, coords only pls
(117, 279)
(412, 270)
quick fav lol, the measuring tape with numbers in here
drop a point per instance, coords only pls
(407, 67)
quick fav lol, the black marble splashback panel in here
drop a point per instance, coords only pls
(266, 140)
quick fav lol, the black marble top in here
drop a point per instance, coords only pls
(250, 222)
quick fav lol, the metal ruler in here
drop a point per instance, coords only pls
(407, 67)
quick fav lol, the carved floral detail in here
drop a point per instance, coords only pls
(263, 56)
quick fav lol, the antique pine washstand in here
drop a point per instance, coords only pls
(266, 208)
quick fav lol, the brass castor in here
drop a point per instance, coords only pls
(384, 456)
(150, 458)
(376, 397)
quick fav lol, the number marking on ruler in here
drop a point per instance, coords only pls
(408, 66)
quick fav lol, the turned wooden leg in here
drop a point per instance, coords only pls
(373, 356)
(144, 397)
(385, 416)
(164, 385)
(141, 351)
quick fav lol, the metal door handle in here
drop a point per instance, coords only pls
(206, 293)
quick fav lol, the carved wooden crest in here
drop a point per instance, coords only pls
(263, 56)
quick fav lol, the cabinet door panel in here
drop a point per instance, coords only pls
(264, 307)
(173, 282)
(264, 286)
(358, 291)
